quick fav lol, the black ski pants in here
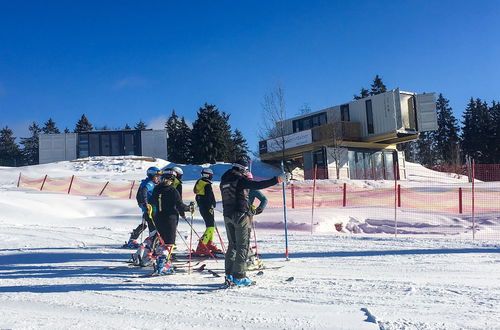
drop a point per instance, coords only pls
(142, 226)
(167, 226)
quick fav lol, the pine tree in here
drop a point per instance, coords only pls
(184, 139)
(211, 136)
(447, 134)
(10, 155)
(477, 131)
(377, 86)
(173, 144)
(140, 126)
(30, 145)
(50, 127)
(83, 125)
(495, 118)
(240, 146)
(410, 150)
(426, 152)
(362, 94)
(127, 127)
(66, 130)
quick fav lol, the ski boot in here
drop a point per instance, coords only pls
(163, 267)
(132, 244)
(202, 249)
(244, 281)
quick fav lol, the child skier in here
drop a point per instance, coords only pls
(143, 194)
(168, 204)
(206, 203)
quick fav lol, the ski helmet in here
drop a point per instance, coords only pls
(153, 171)
(178, 171)
(207, 173)
(241, 165)
(168, 174)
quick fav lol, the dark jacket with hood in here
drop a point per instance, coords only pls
(234, 188)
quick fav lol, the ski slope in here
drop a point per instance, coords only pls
(56, 250)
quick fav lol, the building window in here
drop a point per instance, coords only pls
(369, 116)
(116, 143)
(344, 112)
(309, 122)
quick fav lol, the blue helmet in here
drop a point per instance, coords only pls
(153, 171)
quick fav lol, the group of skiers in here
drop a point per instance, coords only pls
(160, 198)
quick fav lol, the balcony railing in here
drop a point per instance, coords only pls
(325, 134)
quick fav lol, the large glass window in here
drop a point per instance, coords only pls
(94, 144)
(128, 143)
(115, 144)
(365, 164)
(83, 145)
(105, 145)
(305, 123)
(369, 116)
(344, 112)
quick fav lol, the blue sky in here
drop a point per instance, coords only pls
(124, 61)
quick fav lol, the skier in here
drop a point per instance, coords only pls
(234, 187)
(143, 194)
(168, 204)
(205, 200)
(178, 178)
(253, 261)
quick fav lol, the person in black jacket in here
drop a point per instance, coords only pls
(205, 199)
(167, 204)
(234, 187)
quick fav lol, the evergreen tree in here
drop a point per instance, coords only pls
(495, 118)
(377, 86)
(83, 125)
(184, 142)
(10, 155)
(240, 146)
(141, 126)
(477, 131)
(211, 136)
(66, 130)
(50, 127)
(410, 150)
(447, 134)
(426, 152)
(362, 94)
(127, 127)
(30, 145)
(173, 141)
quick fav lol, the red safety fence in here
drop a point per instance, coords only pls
(77, 186)
(439, 203)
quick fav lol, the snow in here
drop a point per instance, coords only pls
(55, 250)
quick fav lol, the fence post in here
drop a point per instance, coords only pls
(131, 188)
(105, 188)
(460, 200)
(399, 195)
(293, 196)
(45, 178)
(314, 193)
(19, 180)
(473, 201)
(71, 183)
(344, 197)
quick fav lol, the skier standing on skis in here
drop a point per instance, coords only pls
(168, 204)
(234, 187)
(205, 200)
(143, 194)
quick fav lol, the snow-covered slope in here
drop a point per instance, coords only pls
(55, 250)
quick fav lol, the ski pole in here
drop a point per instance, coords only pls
(190, 243)
(220, 239)
(255, 239)
(204, 245)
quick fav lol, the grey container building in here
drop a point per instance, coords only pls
(70, 146)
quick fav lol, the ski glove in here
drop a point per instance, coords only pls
(191, 207)
(258, 210)
(284, 177)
